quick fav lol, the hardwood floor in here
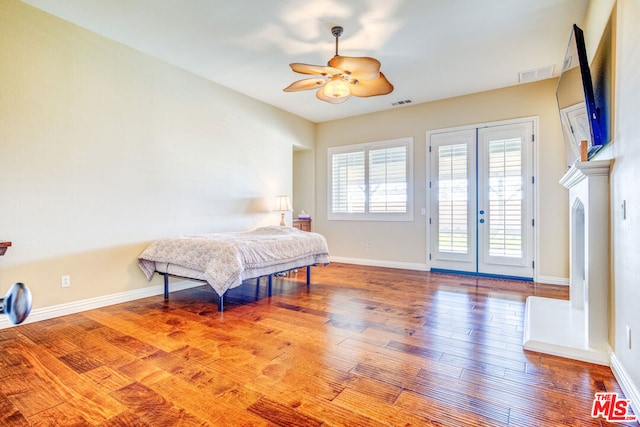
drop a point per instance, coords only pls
(363, 346)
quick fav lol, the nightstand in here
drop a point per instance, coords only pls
(302, 224)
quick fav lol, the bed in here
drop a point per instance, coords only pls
(225, 260)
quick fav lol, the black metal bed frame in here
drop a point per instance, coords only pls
(221, 297)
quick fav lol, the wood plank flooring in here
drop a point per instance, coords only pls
(362, 346)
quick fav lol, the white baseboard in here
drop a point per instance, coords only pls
(381, 263)
(54, 311)
(548, 280)
(630, 389)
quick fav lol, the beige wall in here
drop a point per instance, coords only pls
(103, 149)
(304, 183)
(595, 21)
(406, 242)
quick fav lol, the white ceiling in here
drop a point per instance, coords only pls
(429, 49)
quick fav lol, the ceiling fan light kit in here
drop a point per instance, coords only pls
(343, 77)
(337, 87)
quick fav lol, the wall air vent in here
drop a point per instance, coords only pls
(403, 102)
(536, 74)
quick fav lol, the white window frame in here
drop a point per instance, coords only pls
(367, 147)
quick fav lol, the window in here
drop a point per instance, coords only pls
(371, 181)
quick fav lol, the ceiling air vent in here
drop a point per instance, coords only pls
(403, 102)
(537, 74)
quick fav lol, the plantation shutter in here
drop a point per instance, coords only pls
(505, 198)
(453, 184)
(348, 182)
(388, 180)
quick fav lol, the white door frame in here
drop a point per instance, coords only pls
(535, 198)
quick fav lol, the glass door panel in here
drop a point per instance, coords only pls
(505, 226)
(453, 200)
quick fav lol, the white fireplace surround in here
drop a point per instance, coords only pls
(579, 328)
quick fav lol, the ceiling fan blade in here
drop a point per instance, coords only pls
(305, 84)
(314, 69)
(330, 99)
(366, 88)
(357, 67)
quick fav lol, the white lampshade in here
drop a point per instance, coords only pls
(283, 203)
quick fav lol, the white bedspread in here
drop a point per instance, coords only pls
(226, 259)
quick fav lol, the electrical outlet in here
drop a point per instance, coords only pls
(367, 247)
(628, 337)
(65, 281)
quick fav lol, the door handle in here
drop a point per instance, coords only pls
(481, 221)
(482, 212)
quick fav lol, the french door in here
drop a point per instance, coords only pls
(481, 186)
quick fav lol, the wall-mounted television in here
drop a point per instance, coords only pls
(579, 115)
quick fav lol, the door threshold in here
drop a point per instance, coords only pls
(486, 275)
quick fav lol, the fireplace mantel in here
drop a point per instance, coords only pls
(579, 328)
(582, 170)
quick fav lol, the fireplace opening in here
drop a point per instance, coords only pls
(578, 291)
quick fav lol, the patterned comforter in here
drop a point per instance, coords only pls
(226, 259)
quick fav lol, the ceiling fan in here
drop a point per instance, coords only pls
(343, 77)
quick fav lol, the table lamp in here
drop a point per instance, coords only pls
(283, 204)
